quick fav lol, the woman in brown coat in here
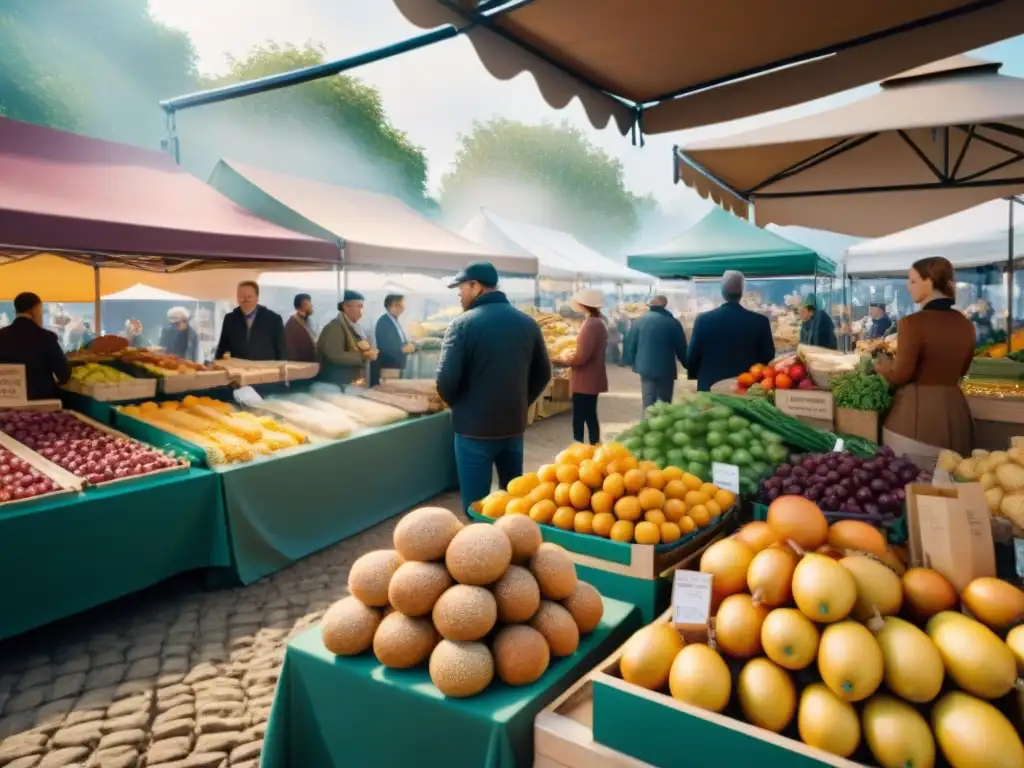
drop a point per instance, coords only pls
(589, 373)
(935, 349)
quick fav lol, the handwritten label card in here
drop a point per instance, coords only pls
(726, 476)
(691, 599)
(13, 391)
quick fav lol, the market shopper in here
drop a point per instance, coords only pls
(178, 337)
(589, 372)
(299, 336)
(390, 338)
(342, 349)
(728, 340)
(816, 327)
(880, 321)
(251, 331)
(25, 342)
(936, 346)
(493, 366)
(981, 315)
(652, 346)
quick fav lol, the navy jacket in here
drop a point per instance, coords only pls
(264, 341)
(653, 345)
(819, 331)
(25, 343)
(389, 342)
(879, 327)
(493, 366)
(726, 342)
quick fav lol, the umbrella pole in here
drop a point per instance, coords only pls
(536, 292)
(97, 318)
(1009, 275)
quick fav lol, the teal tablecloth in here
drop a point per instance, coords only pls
(63, 556)
(335, 712)
(289, 506)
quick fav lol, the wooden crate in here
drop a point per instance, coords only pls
(292, 371)
(859, 423)
(115, 391)
(191, 382)
(70, 484)
(35, 405)
(248, 372)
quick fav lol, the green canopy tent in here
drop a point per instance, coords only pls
(721, 241)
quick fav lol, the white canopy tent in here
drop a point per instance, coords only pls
(358, 281)
(972, 238)
(140, 292)
(558, 254)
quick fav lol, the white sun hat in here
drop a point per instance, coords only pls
(588, 297)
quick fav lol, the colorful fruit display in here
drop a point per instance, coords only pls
(788, 373)
(1001, 474)
(841, 482)
(605, 491)
(92, 454)
(20, 481)
(97, 373)
(859, 654)
(159, 363)
(696, 432)
(227, 435)
(473, 602)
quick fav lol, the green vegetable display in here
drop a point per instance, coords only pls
(862, 392)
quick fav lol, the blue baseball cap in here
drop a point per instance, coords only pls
(479, 271)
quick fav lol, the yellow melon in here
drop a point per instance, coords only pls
(646, 658)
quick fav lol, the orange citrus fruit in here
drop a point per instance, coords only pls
(542, 492)
(495, 504)
(676, 489)
(647, 533)
(693, 498)
(543, 511)
(579, 495)
(634, 480)
(656, 479)
(547, 473)
(518, 507)
(670, 532)
(591, 474)
(602, 501)
(710, 489)
(614, 485)
(562, 497)
(567, 473)
(655, 516)
(686, 525)
(563, 518)
(583, 522)
(568, 456)
(713, 509)
(650, 498)
(602, 523)
(523, 485)
(622, 531)
(674, 509)
(628, 508)
(700, 515)
(692, 482)
(672, 473)
(584, 450)
(725, 499)
(646, 466)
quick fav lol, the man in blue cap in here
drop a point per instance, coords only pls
(493, 366)
(342, 349)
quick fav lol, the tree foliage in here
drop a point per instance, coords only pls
(341, 121)
(510, 167)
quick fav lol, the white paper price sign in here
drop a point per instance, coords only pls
(691, 598)
(12, 386)
(840, 445)
(726, 476)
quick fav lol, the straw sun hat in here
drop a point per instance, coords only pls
(588, 297)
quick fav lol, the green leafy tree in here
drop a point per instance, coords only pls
(335, 129)
(98, 67)
(547, 174)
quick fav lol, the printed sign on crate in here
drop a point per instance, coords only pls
(726, 476)
(13, 391)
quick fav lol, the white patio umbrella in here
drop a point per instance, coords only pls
(933, 141)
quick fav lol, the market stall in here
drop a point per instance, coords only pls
(771, 264)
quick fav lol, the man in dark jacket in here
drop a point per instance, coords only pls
(299, 336)
(391, 341)
(816, 327)
(729, 339)
(178, 337)
(653, 345)
(880, 321)
(251, 331)
(25, 342)
(493, 366)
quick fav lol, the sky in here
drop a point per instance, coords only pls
(435, 93)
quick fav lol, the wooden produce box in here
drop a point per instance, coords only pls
(634, 721)
(115, 391)
(192, 382)
(247, 372)
(292, 371)
(563, 733)
(69, 483)
(859, 423)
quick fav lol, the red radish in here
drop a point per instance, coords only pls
(805, 384)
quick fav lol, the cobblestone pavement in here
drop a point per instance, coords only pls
(182, 677)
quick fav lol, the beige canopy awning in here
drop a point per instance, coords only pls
(933, 141)
(675, 64)
(378, 231)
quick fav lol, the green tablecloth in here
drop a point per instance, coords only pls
(63, 556)
(333, 712)
(286, 507)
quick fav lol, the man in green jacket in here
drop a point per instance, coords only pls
(816, 327)
(342, 350)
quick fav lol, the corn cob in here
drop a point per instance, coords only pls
(182, 420)
(248, 432)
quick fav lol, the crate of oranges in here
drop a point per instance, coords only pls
(614, 513)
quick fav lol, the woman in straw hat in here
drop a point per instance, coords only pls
(589, 374)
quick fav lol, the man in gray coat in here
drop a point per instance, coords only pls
(654, 344)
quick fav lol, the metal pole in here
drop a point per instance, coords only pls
(96, 297)
(1009, 274)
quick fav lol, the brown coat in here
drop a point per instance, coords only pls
(936, 346)
(589, 372)
(299, 341)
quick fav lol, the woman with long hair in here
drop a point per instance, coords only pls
(936, 347)
(589, 373)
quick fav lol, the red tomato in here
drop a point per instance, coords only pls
(797, 372)
(744, 380)
(755, 376)
(767, 384)
(782, 381)
(768, 372)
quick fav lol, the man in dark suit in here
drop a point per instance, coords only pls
(390, 338)
(26, 342)
(728, 340)
(251, 331)
(652, 346)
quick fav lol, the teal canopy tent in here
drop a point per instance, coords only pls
(721, 241)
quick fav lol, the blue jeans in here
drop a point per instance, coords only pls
(656, 390)
(476, 460)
